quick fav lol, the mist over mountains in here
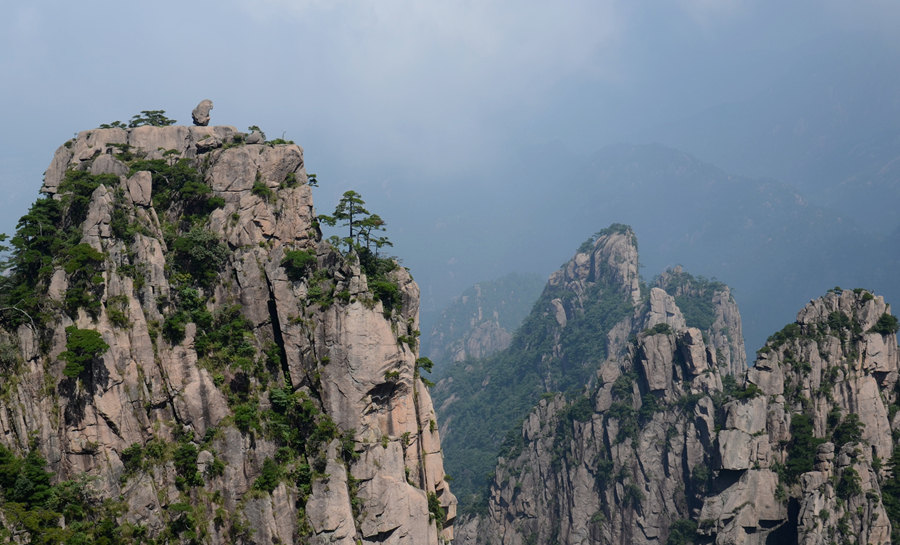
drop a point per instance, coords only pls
(763, 237)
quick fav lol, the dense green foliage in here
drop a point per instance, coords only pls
(49, 235)
(298, 263)
(801, 448)
(49, 514)
(436, 511)
(201, 254)
(76, 188)
(176, 180)
(886, 325)
(682, 532)
(83, 346)
(848, 431)
(84, 265)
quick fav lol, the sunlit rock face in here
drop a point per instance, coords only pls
(240, 400)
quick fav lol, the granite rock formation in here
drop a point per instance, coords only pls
(673, 440)
(200, 115)
(254, 387)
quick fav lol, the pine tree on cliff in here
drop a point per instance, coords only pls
(362, 224)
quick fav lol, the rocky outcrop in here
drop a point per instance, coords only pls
(615, 464)
(200, 115)
(669, 447)
(586, 311)
(622, 463)
(823, 387)
(710, 307)
(254, 387)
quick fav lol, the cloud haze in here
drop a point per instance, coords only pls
(459, 121)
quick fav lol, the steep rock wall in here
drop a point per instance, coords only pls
(262, 404)
(625, 347)
(672, 448)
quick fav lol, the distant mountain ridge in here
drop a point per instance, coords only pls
(482, 320)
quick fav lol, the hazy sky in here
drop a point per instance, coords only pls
(439, 113)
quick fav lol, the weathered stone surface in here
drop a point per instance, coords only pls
(149, 385)
(694, 351)
(663, 310)
(748, 416)
(140, 187)
(656, 361)
(107, 164)
(200, 115)
(256, 137)
(614, 476)
(632, 455)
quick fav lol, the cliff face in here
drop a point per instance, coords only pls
(668, 446)
(617, 464)
(595, 331)
(806, 460)
(254, 387)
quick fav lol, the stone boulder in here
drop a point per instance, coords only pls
(200, 114)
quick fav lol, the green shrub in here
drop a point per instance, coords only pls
(801, 448)
(424, 364)
(293, 420)
(581, 410)
(76, 189)
(298, 263)
(246, 417)
(849, 484)
(185, 460)
(682, 532)
(261, 190)
(133, 458)
(36, 508)
(121, 225)
(178, 181)
(633, 495)
(270, 477)
(436, 511)
(223, 340)
(216, 468)
(886, 325)
(83, 264)
(200, 254)
(660, 329)
(387, 292)
(839, 321)
(348, 446)
(83, 346)
(848, 431)
(174, 327)
(117, 311)
(325, 431)
(788, 332)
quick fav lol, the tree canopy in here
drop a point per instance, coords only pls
(363, 226)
